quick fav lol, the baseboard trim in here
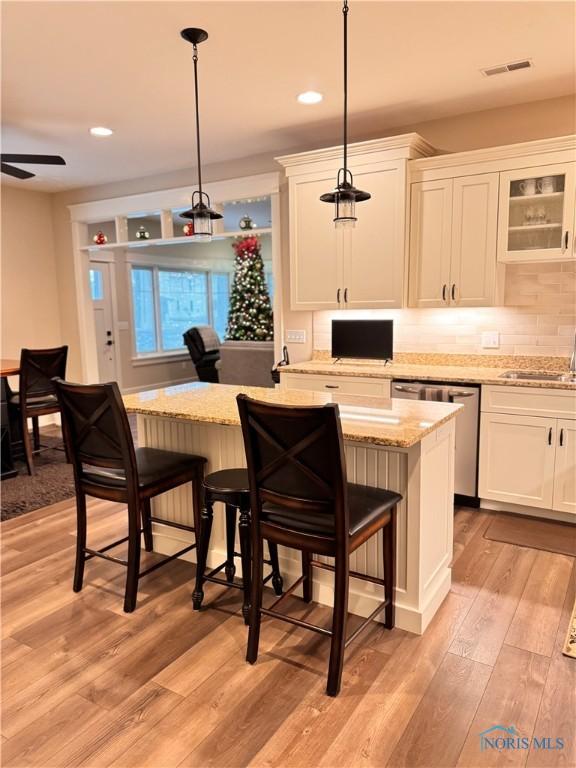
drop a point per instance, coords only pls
(519, 509)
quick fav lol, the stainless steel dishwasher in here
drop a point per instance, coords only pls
(466, 462)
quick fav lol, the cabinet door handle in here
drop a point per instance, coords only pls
(332, 386)
(346, 295)
(565, 241)
(338, 296)
(453, 292)
(561, 437)
(550, 436)
(444, 292)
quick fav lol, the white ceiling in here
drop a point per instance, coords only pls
(67, 66)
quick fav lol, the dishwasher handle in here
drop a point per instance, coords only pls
(454, 393)
(401, 388)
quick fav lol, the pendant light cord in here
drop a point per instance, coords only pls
(195, 60)
(345, 14)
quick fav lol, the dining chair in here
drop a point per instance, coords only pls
(107, 466)
(36, 395)
(300, 498)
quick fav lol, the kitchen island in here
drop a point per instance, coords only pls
(405, 446)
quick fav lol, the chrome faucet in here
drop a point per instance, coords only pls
(573, 357)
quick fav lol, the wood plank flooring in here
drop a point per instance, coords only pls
(84, 684)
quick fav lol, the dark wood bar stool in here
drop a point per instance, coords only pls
(107, 466)
(230, 486)
(36, 395)
(300, 498)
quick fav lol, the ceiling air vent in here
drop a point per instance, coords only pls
(500, 69)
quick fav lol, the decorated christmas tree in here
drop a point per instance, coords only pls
(250, 314)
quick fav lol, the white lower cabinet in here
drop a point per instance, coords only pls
(524, 459)
(565, 467)
(517, 459)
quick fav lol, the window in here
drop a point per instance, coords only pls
(96, 285)
(144, 314)
(220, 288)
(166, 302)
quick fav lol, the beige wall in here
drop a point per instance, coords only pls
(30, 291)
(553, 117)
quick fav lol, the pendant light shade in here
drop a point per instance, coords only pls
(345, 196)
(201, 213)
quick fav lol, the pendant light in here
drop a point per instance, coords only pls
(201, 213)
(345, 196)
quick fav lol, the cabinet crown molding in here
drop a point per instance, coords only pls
(504, 152)
(411, 144)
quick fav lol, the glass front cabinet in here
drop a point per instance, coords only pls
(537, 214)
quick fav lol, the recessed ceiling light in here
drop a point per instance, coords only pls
(100, 130)
(310, 97)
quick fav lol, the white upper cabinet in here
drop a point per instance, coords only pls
(362, 267)
(453, 230)
(537, 214)
(316, 260)
(430, 243)
(374, 250)
(474, 232)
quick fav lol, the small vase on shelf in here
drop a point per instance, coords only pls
(100, 238)
(142, 233)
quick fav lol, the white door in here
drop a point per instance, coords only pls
(565, 468)
(315, 250)
(517, 459)
(374, 260)
(430, 243)
(101, 294)
(537, 214)
(474, 236)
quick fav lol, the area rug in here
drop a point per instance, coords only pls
(52, 482)
(524, 531)
(570, 644)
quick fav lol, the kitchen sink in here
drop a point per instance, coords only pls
(539, 376)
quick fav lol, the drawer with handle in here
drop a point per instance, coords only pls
(350, 385)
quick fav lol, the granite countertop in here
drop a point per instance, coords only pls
(472, 374)
(376, 420)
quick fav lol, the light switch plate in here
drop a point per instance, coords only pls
(490, 340)
(296, 337)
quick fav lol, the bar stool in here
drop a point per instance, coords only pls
(107, 466)
(231, 487)
(301, 498)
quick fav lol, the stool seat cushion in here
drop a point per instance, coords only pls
(42, 401)
(228, 481)
(154, 465)
(366, 505)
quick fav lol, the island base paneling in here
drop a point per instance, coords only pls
(423, 474)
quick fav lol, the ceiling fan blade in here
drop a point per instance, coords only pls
(35, 159)
(18, 173)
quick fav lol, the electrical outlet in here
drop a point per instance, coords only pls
(296, 337)
(490, 340)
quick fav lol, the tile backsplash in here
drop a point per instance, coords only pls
(539, 318)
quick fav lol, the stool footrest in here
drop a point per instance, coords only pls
(169, 523)
(166, 560)
(224, 583)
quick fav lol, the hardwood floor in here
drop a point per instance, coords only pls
(85, 684)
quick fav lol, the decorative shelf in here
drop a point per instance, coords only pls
(162, 241)
(534, 198)
(530, 227)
